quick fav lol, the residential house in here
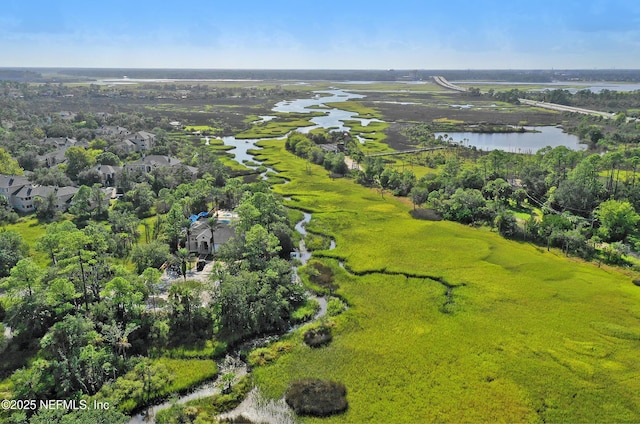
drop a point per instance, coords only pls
(61, 145)
(107, 174)
(60, 142)
(199, 234)
(127, 146)
(142, 140)
(23, 199)
(54, 158)
(113, 131)
(10, 185)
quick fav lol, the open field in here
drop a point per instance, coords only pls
(457, 324)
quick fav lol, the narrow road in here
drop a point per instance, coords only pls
(563, 108)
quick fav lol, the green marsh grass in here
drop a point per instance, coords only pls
(357, 107)
(186, 373)
(528, 335)
(30, 229)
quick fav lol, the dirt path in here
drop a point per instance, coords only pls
(352, 164)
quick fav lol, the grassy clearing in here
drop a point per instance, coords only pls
(528, 336)
(208, 350)
(202, 128)
(186, 373)
(30, 229)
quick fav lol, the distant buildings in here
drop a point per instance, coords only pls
(60, 144)
(151, 162)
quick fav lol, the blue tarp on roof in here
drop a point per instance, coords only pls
(194, 218)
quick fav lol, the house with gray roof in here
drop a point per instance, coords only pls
(199, 236)
(24, 199)
(54, 158)
(142, 140)
(108, 174)
(10, 185)
(113, 131)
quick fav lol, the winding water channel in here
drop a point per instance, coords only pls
(334, 120)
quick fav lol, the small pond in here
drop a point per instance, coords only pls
(527, 142)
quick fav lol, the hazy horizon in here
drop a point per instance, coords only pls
(196, 34)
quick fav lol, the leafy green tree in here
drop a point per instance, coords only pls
(142, 198)
(75, 359)
(26, 276)
(125, 297)
(506, 223)
(108, 158)
(7, 215)
(618, 219)
(419, 196)
(78, 160)
(184, 305)
(82, 416)
(75, 257)
(176, 224)
(582, 190)
(51, 176)
(259, 247)
(150, 278)
(124, 225)
(62, 296)
(261, 208)
(213, 224)
(150, 255)
(8, 165)
(551, 225)
(465, 205)
(98, 201)
(12, 249)
(52, 241)
(81, 203)
(46, 207)
(499, 190)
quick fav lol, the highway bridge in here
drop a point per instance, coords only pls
(563, 108)
(442, 82)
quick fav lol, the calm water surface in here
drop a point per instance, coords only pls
(528, 142)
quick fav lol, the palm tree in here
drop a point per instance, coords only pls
(119, 336)
(213, 224)
(184, 256)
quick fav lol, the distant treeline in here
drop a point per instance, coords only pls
(540, 76)
(19, 75)
(533, 76)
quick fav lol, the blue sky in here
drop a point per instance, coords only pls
(400, 34)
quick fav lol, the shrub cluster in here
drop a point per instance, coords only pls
(316, 397)
(318, 337)
(265, 355)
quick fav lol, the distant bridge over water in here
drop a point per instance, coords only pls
(442, 82)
